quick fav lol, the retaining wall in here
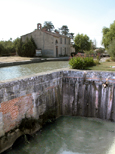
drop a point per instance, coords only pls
(39, 97)
(50, 95)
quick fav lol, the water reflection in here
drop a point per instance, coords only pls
(72, 135)
(28, 69)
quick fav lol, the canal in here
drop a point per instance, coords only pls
(11, 72)
(71, 135)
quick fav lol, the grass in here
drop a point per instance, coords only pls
(104, 66)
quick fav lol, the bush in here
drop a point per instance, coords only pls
(108, 60)
(96, 62)
(81, 62)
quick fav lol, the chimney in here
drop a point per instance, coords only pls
(57, 32)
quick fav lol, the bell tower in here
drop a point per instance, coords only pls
(39, 26)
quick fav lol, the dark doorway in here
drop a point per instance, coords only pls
(56, 51)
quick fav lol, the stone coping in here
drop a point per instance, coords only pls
(68, 72)
(34, 60)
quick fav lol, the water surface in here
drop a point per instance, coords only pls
(28, 69)
(71, 135)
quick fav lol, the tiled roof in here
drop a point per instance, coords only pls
(53, 34)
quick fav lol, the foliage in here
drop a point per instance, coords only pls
(89, 52)
(100, 50)
(17, 45)
(82, 42)
(1, 49)
(6, 47)
(71, 35)
(28, 48)
(108, 35)
(49, 26)
(93, 45)
(56, 31)
(64, 30)
(108, 60)
(79, 62)
(96, 62)
(111, 49)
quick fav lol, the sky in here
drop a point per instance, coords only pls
(19, 17)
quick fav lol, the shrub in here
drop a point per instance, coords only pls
(108, 60)
(81, 62)
(96, 62)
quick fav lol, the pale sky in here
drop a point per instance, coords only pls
(19, 17)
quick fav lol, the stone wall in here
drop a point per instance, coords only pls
(38, 96)
(89, 94)
(50, 95)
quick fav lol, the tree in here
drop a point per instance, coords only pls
(56, 31)
(28, 48)
(108, 35)
(7, 47)
(82, 42)
(64, 30)
(1, 49)
(111, 49)
(71, 35)
(49, 26)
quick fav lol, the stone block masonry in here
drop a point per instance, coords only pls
(35, 97)
(49, 95)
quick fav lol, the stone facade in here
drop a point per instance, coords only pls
(62, 92)
(51, 44)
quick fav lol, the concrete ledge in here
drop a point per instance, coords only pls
(34, 60)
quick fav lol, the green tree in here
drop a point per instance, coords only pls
(7, 47)
(64, 30)
(111, 49)
(28, 48)
(56, 30)
(1, 49)
(108, 35)
(71, 35)
(82, 42)
(49, 26)
(18, 45)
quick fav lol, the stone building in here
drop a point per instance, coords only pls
(51, 44)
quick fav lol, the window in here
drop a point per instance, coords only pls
(65, 40)
(65, 51)
(60, 50)
(60, 40)
(56, 42)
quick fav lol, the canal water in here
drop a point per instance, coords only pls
(71, 135)
(11, 72)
